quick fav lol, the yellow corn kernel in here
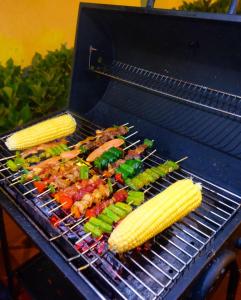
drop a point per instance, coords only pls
(156, 215)
(42, 132)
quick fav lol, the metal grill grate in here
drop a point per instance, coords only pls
(142, 275)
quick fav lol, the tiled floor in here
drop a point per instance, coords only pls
(21, 250)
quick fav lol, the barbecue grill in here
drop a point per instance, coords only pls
(175, 77)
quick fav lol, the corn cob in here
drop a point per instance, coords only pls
(156, 215)
(42, 132)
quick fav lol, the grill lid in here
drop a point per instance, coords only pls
(174, 73)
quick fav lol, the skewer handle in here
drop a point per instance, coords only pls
(182, 159)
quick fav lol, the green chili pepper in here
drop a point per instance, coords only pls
(51, 188)
(110, 185)
(23, 178)
(83, 149)
(57, 150)
(136, 198)
(42, 155)
(19, 161)
(64, 147)
(12, 166)
(84, 172)
(148, 143)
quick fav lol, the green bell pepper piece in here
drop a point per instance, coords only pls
(127, 208)
(12, 166)
(105, 227)
(111, 214)
(95, 231)
(105, 219)
(118, 211)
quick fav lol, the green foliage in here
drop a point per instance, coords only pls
(218, 6)
(27, 93)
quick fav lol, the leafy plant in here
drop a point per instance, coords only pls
(218, 6)
(27, 93)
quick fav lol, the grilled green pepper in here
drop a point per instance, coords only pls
(124, 206)
(105, 218)
(136, 198)
(95, 231)
(111, 214)
(118, 211)
(12, 166)
(84, 172)
(105, 227)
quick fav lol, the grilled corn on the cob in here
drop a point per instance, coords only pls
(42, 132)
(156, 215)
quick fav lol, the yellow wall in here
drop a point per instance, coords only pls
(28, 26)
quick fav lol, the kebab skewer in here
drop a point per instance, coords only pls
(56, 180)
(96, 228)
(57, 147)
(73, 191)
(134, 198)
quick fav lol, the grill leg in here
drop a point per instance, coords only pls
(5, 252)
(233, 281)
(223, 263)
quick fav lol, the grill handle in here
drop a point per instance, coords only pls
(231, 11)
(233, 7)
(150, 3)
(221, 264)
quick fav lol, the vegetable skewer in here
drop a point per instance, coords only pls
(51, 148)
(98, 208)
(56, 178)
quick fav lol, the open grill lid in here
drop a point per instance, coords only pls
(175, 74)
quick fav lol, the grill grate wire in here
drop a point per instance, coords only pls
(140, 275)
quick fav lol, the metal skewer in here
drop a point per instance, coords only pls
(69, 229)
(61, 220)
(8, 157)
(130, 135)
(13, 183)
(30, 181)
(83, 238)
(46, 203)
(88, 265)
(30, 191)
(4, 169)
(133, 144)
(182, 159)
(57, 207)
(43, 193)
(16, 178)
(148, 155)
